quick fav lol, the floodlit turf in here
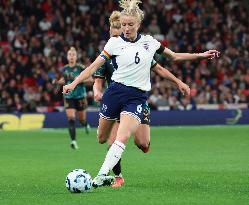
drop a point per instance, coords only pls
(186, 165)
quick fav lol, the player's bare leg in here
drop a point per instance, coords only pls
(83, 122)
(71, 127)
(104, 129)
(142, 137)
(113, 133)
(127, 126)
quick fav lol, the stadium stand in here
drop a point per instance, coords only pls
(34, 38)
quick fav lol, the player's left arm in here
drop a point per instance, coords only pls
(210, 54)
(163, 72)
(162, 50)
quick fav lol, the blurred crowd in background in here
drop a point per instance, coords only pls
(35, 37)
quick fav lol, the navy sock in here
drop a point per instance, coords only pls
(117, 168)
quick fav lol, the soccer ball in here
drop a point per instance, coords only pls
(78, 181)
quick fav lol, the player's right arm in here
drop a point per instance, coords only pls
(99, 61)
(87, 73)
(98, 88)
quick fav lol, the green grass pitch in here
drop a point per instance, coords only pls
(186, 165)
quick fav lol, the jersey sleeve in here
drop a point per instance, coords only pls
(100, 72)
(153, 63)
(153, 42)
(156, 43)
(108, 49)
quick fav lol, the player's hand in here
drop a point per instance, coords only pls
(98, 96)
(210, 54)
(184, 88)
(68, 88)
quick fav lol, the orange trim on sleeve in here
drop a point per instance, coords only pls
(107, 54)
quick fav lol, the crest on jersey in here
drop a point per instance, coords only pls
(146, 46)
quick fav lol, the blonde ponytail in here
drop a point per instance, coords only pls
(114, 20)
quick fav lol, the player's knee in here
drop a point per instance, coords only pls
(123, 138)
(101, 138)
(144, 146)
(101, 141)
(111, 139)
(71, 119)
(82, 121)
(141, 141)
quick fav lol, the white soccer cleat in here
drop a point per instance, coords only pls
(74, 145)
(87, 128)
(103, 180)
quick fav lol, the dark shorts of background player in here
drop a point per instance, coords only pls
(146, 115)
(77, 104)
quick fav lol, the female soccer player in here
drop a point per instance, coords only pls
(142, 134)
(131, 54)
(75, 101)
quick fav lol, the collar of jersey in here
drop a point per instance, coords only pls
(127, 40)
